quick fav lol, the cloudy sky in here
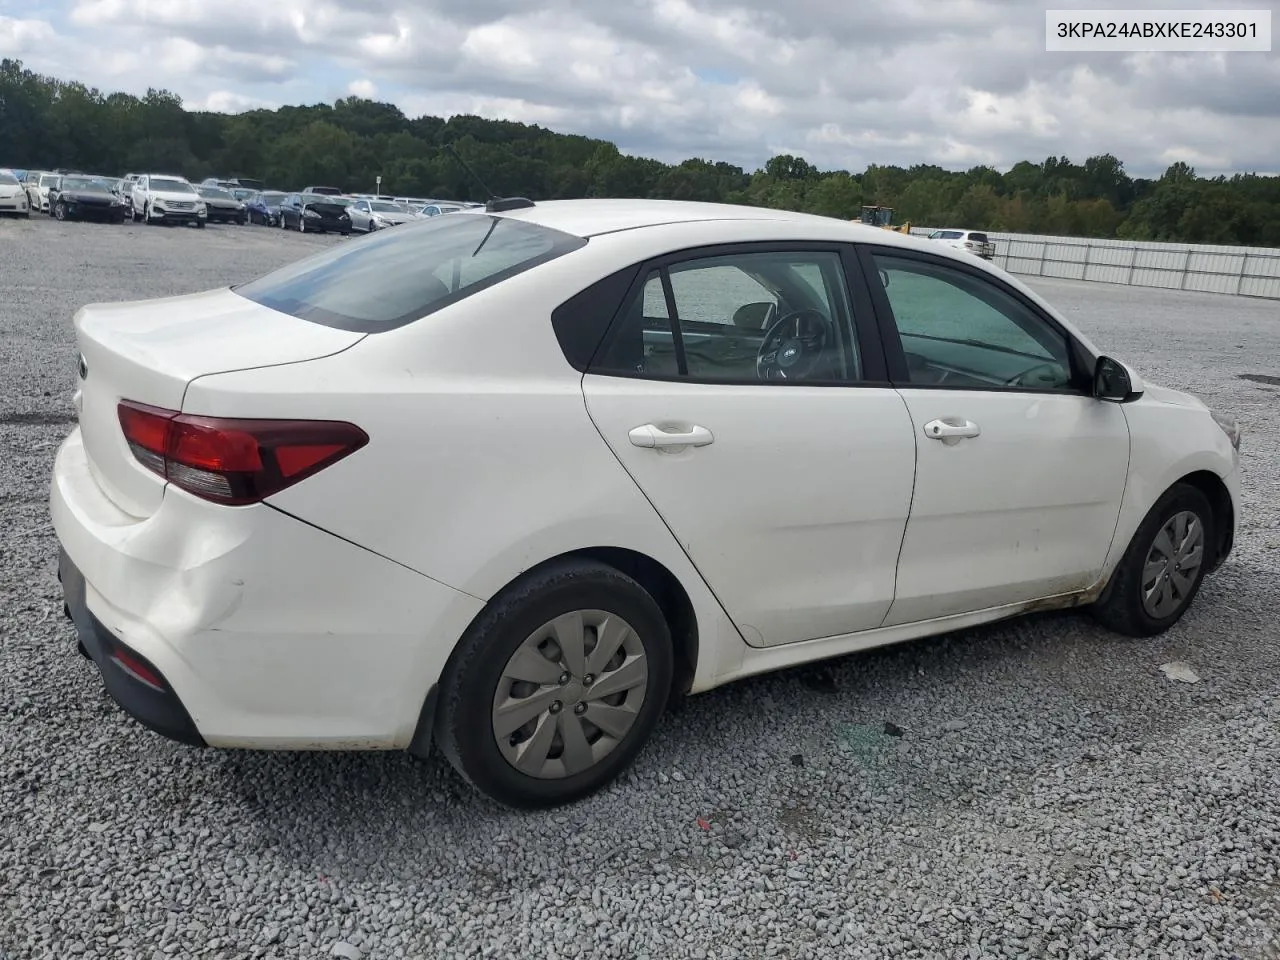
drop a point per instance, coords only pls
(843, 83)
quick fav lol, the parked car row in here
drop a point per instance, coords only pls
(155, 198)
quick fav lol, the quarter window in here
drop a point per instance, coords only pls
(739, 318)
(960, 330)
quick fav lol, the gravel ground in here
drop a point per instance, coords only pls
(1035, 789)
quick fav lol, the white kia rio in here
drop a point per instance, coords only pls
(505, 481)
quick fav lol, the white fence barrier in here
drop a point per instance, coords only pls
(1242, 271)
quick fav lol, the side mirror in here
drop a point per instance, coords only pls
(1114, 381)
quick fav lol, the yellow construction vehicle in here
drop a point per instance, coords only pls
(882, 217)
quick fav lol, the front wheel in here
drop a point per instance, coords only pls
(1163, 567)
(60, 212)
(556, 687)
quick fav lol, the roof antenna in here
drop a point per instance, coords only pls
(496, 204)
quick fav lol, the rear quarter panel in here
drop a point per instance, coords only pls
(482, 461)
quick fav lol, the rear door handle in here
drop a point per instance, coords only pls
(651, 435)
(951, 429)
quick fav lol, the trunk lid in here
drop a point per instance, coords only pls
(149, 352)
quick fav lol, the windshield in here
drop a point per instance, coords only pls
(215, 193)
(311, 198)
(48, 179)
(397, 276)
(271, 199)
(383, 206)
(82, 183)
(8, 179)
(165, 185)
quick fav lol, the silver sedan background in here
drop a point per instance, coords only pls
(370, 215)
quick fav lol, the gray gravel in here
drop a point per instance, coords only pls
(1036, 789)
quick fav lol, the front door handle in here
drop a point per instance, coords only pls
(652, 435)
(951, 429)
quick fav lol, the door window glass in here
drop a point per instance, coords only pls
(960, 330)
(741, 318)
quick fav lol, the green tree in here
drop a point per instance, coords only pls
(46, 122)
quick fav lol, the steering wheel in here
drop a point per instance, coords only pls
(794, 346)
(1019, 380)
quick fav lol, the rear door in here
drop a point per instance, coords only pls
(1020, 470)
(743, 389)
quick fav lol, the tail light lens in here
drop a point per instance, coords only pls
(233, 461)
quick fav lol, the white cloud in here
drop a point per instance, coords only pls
(844, 84)
(19, 36)
(228, 101)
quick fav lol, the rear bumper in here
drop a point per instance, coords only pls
(158, 709)
(268, 632)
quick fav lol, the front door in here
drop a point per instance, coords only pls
(1020, 471)
(738, 395)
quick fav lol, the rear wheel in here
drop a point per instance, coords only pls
(1163, 568)
(556, 687)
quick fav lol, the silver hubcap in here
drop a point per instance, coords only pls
(569, 694)
(1172, 564)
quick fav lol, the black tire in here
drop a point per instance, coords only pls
(463, 725)
(1120, 608)
(60, 211)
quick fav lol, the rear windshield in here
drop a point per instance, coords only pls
(393, 277)
(978, 237)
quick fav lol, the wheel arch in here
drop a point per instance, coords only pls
(661, 584)
(652, 575)
(1215, 490)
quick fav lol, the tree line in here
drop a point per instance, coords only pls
(47, 123)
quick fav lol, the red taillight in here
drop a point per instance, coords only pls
(233, 461)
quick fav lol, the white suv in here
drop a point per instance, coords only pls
(164, 198)
(970, 241)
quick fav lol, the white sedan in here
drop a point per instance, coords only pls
(13, 198)
(505, 481)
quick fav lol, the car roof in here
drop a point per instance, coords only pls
(588, 218)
